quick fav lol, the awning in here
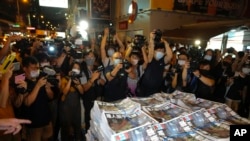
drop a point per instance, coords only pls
(203, 31)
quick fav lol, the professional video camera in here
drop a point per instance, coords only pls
(139, 41)
(50, 75)
(23, 44)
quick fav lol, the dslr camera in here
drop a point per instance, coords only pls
(230, 50)
(50, 75)
(139, 41)
(126, 64)
(158, 35)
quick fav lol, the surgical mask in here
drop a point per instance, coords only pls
(246, 70)
(45, 64)
(117, 61)
(90, 61)
(134, 61)
(79, 60)
(158, 55)
(110, 52)
(34, 74)
(76, 71)
(181, 62)
(208, 57)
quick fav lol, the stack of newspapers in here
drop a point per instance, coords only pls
(123, 120)
(162, 117)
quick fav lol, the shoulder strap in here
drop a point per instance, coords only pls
(138, 71)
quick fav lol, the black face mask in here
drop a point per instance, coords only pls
(226, 64)
(204, 72)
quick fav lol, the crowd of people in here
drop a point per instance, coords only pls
(47, 100)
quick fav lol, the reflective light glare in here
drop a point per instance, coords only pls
(130, 9)
(197, 42)
(51, 48)
(83, 25)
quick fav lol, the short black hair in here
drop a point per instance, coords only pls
(42, 57)
(160, 45)
(29, 60)
(183, 53)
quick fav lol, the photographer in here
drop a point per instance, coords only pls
(116, 87)
(181, 72)
(204, 81)
(133, 55)
(93, 82)
(159, 54)
(35, 99)
(106, 55)
(70, 108)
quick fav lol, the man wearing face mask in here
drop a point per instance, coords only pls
(181, 78)
(159, 54)
(36, 99)
(93, 81)
(116, 87)
(107, 55)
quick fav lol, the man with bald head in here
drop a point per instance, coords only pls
(116, 74)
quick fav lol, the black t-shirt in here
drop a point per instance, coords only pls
(117, 88)
(152, 78)
(38, 112)
(204, 91)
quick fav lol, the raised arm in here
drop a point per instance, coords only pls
(103, 44)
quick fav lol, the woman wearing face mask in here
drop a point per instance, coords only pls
(159, 54)
(136, 70)
(180, 78)
(70, 108)
(93, 81)
(204, 81)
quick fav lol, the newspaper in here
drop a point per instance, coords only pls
(145, 101)
(194, 104)
(226, 115)
(206, 125)
(164, 112)
(141, 133)
(177, 129)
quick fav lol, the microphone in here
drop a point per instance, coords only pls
(49, 71)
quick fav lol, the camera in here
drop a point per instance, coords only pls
(74, 75)
(158, 35)
(230, 50)
(24, 43)
(126, 64)
(194, 65)
(177, 68)
(139, 41)
(100, 68)
(50, 75)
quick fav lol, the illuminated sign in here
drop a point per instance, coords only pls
(54, 3)
(30, 28)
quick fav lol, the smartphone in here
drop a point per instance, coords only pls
(7, 62)
(16, 66)
(19, 78)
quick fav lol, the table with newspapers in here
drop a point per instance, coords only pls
(162, 117)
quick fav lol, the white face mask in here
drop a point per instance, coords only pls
(208, 57)
(158, 55)
(181, 62)
(110, 52)
(117, 61)
(34, 74)
(134, 61)
(76, 71)
(246, 70)
(45, 64)
(90, 61)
